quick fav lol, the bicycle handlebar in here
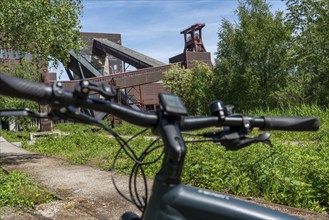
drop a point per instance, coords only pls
(15, 87)
(43, 94)
(291, 123)
(264, 123)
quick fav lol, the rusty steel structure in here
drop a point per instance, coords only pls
(127, 79)
(194, 48)
(104, 59)
(193, 39)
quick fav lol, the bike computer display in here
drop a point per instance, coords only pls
(172, 104)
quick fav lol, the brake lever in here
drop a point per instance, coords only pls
(73, 114)
(235, 138)
(233, 144)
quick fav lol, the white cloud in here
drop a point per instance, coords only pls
(153, 27)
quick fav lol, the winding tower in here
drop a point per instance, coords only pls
(193, 38)
(194, 48)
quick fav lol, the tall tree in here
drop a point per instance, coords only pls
(310, 21)
(251, 63)
(43, 28)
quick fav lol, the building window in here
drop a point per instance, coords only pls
(3, 53)
(13, 55)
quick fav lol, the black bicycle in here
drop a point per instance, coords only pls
(169, 199)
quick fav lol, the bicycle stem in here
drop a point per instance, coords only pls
(175, 149)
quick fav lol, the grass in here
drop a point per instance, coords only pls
(17, 189)
(11, 136)
(294, 172)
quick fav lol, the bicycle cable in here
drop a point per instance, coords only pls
(135, 198)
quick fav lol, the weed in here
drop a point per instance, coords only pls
(17, 189)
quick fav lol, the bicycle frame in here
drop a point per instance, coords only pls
(185, 202)
(172, 200)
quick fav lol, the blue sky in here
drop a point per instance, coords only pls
(153, 27)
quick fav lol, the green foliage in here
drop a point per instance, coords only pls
(22, 69)
(75, 127)
(263, 60)
(27, 70)
(82, 144)
(289, 174)
(274, 59)
(178, 80)
(17, 189)
(13, 136)
(201, 93)
(78, 146)
(295, 92)
(303, 110)
(130, 129)
(252, 56)
(196, 81)
(310, 22)
(294, 172)
(42, 28)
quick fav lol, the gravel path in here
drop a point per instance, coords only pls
(84, 192)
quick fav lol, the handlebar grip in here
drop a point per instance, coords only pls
(19, 88)
(291, 123)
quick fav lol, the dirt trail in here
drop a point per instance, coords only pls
(85, 192)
